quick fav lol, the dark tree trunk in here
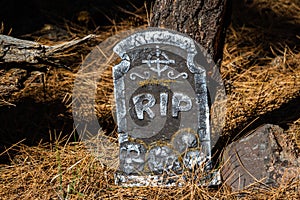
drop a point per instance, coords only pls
(203, 20)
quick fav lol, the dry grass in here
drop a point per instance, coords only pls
(261, 69)
(70, 172)
(261, 60)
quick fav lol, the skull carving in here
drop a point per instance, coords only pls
(194, 158)
(132, 157)
(183, 140)
(162, 158)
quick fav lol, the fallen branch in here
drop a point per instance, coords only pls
(22, 60)
(13, 50)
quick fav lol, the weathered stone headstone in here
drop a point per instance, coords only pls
(266, 158)
(161, 107)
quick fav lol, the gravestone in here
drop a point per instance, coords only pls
(162, 108)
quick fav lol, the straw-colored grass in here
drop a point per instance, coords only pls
(71, 172)
(261, 71)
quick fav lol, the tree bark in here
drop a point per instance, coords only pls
(204, 21)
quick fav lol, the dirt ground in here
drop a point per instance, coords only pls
(40, 155)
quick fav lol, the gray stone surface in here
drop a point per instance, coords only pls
(266, 158)
(161, 106)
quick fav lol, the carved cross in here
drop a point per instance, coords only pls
(157, 61)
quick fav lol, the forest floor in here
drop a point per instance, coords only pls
(42, 158)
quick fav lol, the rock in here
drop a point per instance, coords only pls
(265, 158)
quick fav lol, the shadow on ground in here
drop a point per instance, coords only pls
(34, 122)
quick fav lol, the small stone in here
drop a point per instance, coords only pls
(266, 158)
